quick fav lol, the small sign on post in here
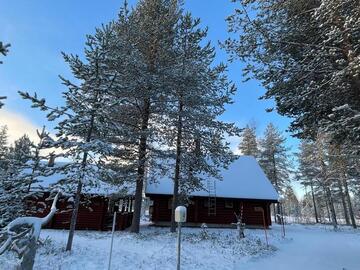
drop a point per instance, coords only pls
(180, 217)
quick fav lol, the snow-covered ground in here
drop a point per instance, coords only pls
(305, 247)
(313, 248)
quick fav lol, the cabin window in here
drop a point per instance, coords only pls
(229, 204)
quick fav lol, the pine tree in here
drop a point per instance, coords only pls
(22, 149)
(3, 146)
(3, 152)
(82, 124)
(308, 171)
(340, 165)
(13, 190)
(36, 166)
(249, 145)
(325, 176)
(291, 204)
(306, 55)
(13, 163)
(315, 170)
(274, 161)
(142, 53)
(199, 95)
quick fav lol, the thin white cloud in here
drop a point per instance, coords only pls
(18, 125)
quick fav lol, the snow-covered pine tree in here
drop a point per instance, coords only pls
(306, 53)
(3, 168)
(325, 176)
(339, 23)
(291, 204)
(308, 171)
(199, 94)
(337, 174)
(13, 184)
(4, 149)
(249, 145)
(3, 146)
(143, 53)
(21, 150)
(37, 166)
(274, 161)
(340, 164)
(82, 123)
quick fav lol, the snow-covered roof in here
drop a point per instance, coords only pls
(244, 179)
(97, 187)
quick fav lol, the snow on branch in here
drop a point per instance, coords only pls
(22, 234)
(1, 98)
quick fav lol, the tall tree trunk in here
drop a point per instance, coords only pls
(278, 213)
(314, 202)
(79, 188)
(331, 206)
(177, 167)
(135, 225)
(351, 211)
(327, 210)
(274, 211)
(74, 216)
(276, 208)
(343, 202)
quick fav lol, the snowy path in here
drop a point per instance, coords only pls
(312, 248)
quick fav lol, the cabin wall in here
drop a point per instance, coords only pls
(197, 210)
(93, 213)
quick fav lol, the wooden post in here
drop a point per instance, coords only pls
(282, 220)
(112, 239)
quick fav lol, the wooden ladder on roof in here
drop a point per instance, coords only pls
(211, 186)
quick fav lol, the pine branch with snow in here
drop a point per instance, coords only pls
(4, 50)
(1, 103)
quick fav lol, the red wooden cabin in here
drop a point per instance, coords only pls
(244, 189)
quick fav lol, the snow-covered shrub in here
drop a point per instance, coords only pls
(204, 234)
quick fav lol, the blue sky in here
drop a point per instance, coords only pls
(39, 30)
